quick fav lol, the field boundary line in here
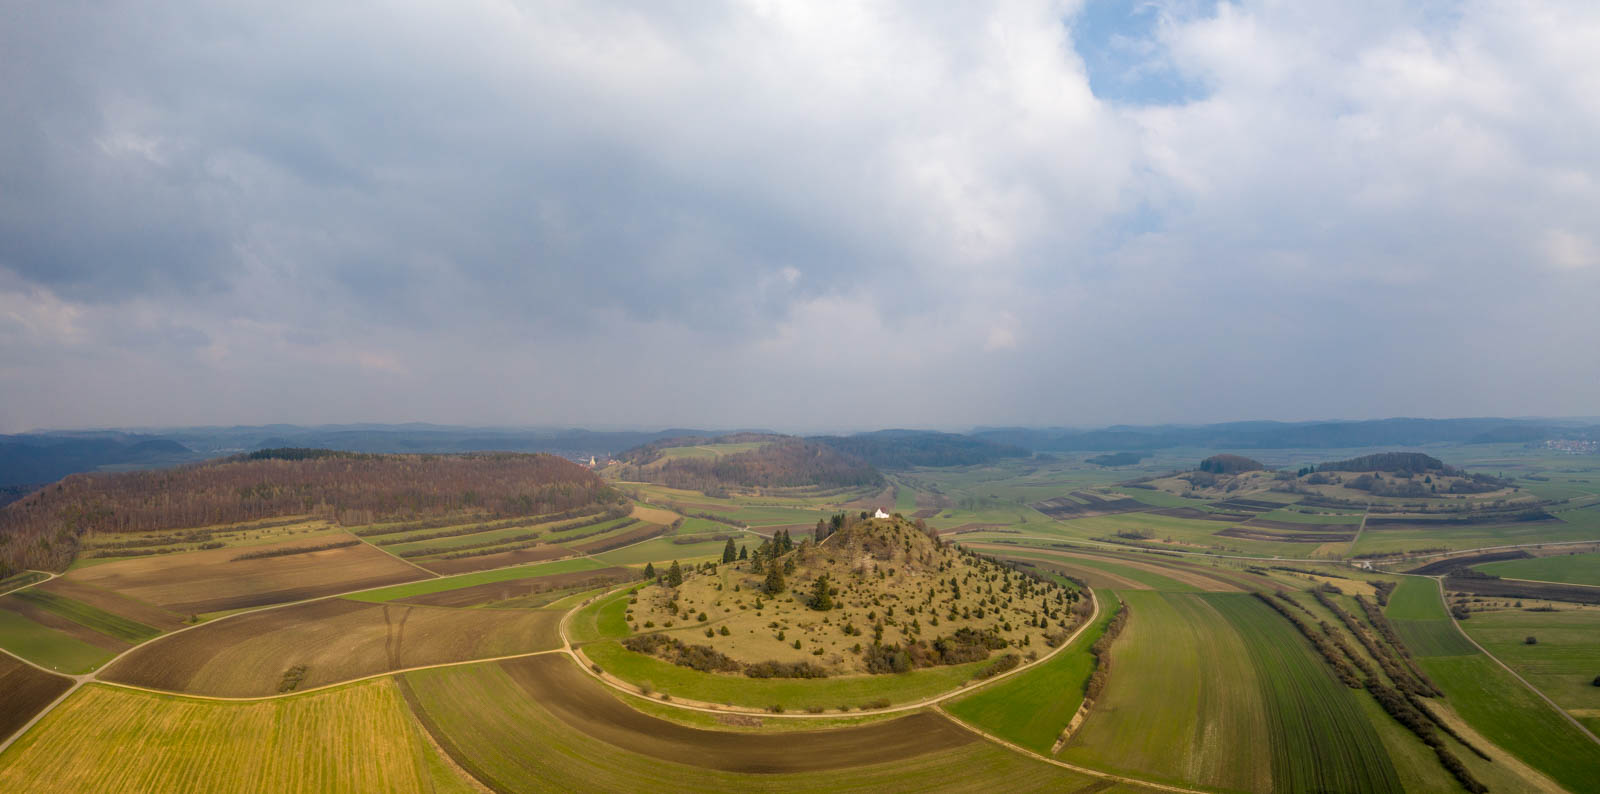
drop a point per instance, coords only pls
(1546, 581)
(1514, 674)
(434, 574)
(711, 708)
(347, 682)
(1063, 764)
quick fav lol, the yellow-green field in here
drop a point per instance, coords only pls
(107, 739)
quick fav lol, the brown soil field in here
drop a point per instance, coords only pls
(1451, 563)
(51, 620)
(115, 603)
(555, 683)
(632, 536)
(1201, 515)
(927, 512)
(1517, 588)
(503, 559)
(1249, 505)
(1087, 504)
(1262, 523)
(335, 639)
(1296, 537)
(212, 581)
(517, 588)
(24, 690)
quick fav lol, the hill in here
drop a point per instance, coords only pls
(745, 461)
(1402, 432)
(38, 459)
(874, 596)
(1393, 462)
(904, 449)
(42, 530)
(1230, 464)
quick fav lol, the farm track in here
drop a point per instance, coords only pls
(1531, 688)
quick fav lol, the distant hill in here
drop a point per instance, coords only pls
(41, 530)
(904, 449)
(1292, 435)
(774, 462)
(1230, 464)
(1396, 462)
(37, 459)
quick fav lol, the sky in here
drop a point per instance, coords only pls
(806, 216)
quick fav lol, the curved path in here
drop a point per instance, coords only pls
(1439, 581)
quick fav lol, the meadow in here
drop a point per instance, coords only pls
(1487, 697)
(1568, 568)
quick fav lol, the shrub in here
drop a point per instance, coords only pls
(1530, 640)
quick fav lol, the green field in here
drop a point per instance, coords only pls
(1491, 699)
(601, 620)
(1571, 568)
(791, 693)
(1562, 664)
(47, 647)
(108, 739)
(1031, 707)
(1219, 690)
(480, 710)
(483, 577)
(1154, 581)
(660, 550)
(129, 631)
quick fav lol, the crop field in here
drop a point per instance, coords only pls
(482, 714)
(427, 586)
(1031, 708)
(1562, 663)
(792, 693)
(101, 547)
(1487, 697)
(107, 739)
(1200, 685)
(114, 603)
(213, 581)
(49, 647)
(1100, 571)
(1472, 536)
(24, 691)
(128, 631)
(495, 593)
(1569, 568)
(504, 559)
(327, 641)
(666, 549)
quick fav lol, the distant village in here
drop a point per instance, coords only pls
(1572, 447)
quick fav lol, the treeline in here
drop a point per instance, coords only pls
(784, 463)
(1396, 462)
(1405, 703)
(1101, 651)
(42, 530)
(285, 552)
(1230, 464)
(903, 449)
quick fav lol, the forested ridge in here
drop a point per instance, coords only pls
(785, 462)
(41, 531)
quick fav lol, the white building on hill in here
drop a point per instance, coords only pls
(880, 514)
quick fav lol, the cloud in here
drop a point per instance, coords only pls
(698, 215)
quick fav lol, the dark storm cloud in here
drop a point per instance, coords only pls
(697, 213)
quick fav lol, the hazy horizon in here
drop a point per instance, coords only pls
(798, 217)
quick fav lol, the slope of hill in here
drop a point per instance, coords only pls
(42, 530)
(903, 449)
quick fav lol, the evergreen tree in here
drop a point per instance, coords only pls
(674, 575)
(821, 598)
(774, 583)
(728, 552)
(820, 532)
(649, 571)
(744, 553)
